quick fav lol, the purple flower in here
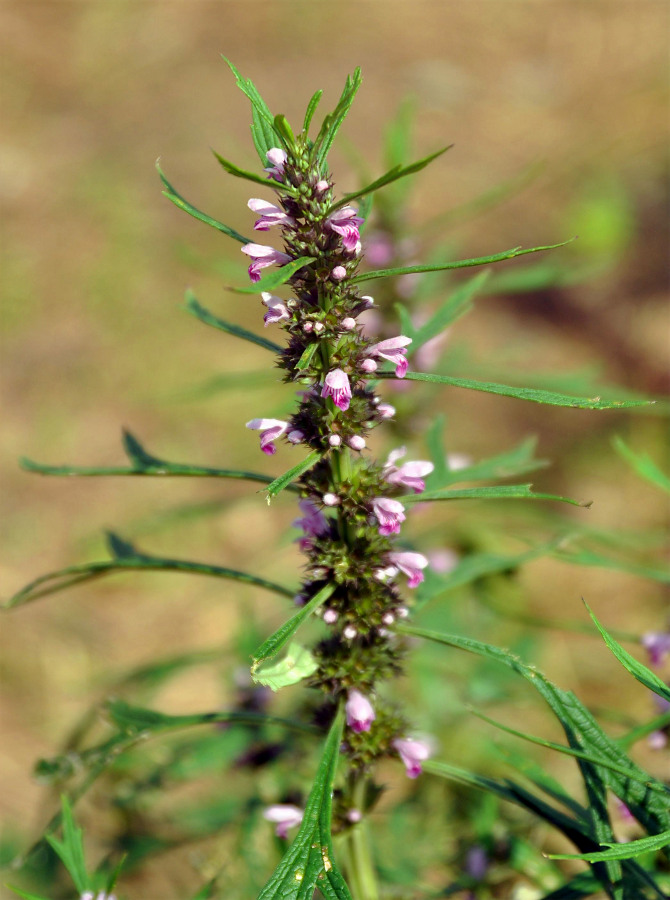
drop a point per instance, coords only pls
(277, 309)
(345, 222)
(410, 474)
(412, 752)
(262, 257)
(657, 645)
(385, 410)
(394, 350)
(389, 513)
(337, 386)
(356, 442)
(360, 713)
(278, 158)
(313, 522)
(285, 816)
(338, 273)
(269, 214)
(270, 430)
(411, 564)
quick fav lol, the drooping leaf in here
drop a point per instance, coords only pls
(205, 316)
(532, 394)
(389, 177)
(644, 675)
(296, 665)
(71, 848)
(642, 464)
(498, 492)
(629, 850)
(458, 264)
(457, 305)
(263, 130)
(179, 201)
(128, 558)
(517, 461)
(333, 121)
(293, 474)
(275, 277)
(232, 169)
(285, 632)
(311, 109)
(308, 863)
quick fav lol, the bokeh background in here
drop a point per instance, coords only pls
(564, 103)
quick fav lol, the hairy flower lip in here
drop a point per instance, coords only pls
(263, 256)
(359, 712)
(336, 385)
(284, 816)
(270, 430)
(269, 214)
(412, 752)
(393, 350)
(390, 514)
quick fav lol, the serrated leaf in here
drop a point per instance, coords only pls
(127, 561)
(205, 316)
(232, 169)
(333, 121)
(459, 264)
(389, 177)
(296, 665)
(639, 671)
(311, 109)
(285, 632)
(179, 201)
(308, 863)
(262, 130)
(71, 849)
(642, 464)
(629, 850)
(279, 484)
(273, 279)
(534, 395)
(499, 492)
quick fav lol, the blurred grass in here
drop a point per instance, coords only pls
(94, 263)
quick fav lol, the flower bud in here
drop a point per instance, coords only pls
(368, 365)
(338, 273)
(334, 440)
(330, 499)
(330, 616)
(348, 324)
(356, 442)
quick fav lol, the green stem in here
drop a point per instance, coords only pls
(362, 874)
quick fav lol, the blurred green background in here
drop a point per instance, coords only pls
(567, 99)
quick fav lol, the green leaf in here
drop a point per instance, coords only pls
(263, 131)
(285, 632)
(583, 733)
(273, 279)
(658, 723)
(283, 128)
(457, 305)
(71, 848)
(287, 478)
(499, 492)
(205, 316)
(639, 671)
(137, 720)
(307, 355)
(308, 863)
(392, 175)
(296, 665)
(517, 461)
(629, 850)
(232, 169)
(535, 396)
(25, 894)
(642, 464)
(311, 109)
(459, 264)
(144, 463)
(333, 121)
(179, 201)
(128, 558)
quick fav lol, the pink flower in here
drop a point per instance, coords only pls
(277, 309)
(269, 214)
(389, 513)
(393, 349)
(278, 158)
(338, 273)
(321, 186)
(285, 816)
(411, 564)
(410, 474)
(337, 386)
(262, 257)
(345, 222)
(657, 645)
(368, 365)
(385, 410)
(360, 713)
(356, 442)
(443, 561)
(270, 430)
(313, 522)
(412, 753)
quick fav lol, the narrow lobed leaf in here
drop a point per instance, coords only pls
(642, 464)
(205, 316)
(279, 484)
(499, 492)
(273, 279)
(333, 121)
(262, 130)
(232, 169)
(628, 850)
(311, 109)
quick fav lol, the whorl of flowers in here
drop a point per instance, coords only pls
(352, 507)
